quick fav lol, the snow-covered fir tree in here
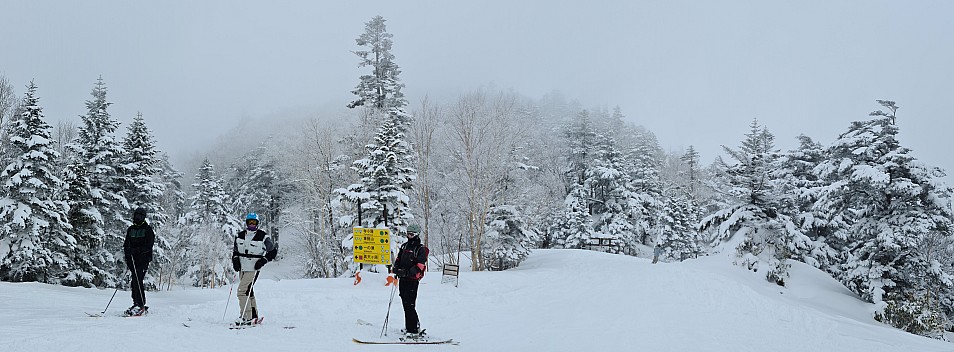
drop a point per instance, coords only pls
(611, 197)
(386, 176)
(757, 225)
(209, 230)
(34, 239)
(676, 233)
(573, 228)
(386, 172)
(797, 167)
(142, 186)
(890, 205)
(92, 265)
(507, 240)
(381, 89)
(96, 150)
(140, 169)
(644, 160)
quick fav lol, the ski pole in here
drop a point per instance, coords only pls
(234, 278)
(387, 316)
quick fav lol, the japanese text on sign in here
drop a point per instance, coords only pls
(372, 246)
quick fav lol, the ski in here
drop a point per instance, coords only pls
(255, 322)
(409, 342)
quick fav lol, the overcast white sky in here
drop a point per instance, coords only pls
(693, 72)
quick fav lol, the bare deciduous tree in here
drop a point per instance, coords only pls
(484, 131)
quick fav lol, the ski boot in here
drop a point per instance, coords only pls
(419, 336)
(136, 311)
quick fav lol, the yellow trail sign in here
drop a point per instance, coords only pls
(372, 246)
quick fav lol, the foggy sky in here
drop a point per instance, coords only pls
(693, 72)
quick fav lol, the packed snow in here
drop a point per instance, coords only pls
(557, 300)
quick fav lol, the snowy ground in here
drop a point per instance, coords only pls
(558, 300)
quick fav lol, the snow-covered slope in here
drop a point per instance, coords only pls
(558, 300)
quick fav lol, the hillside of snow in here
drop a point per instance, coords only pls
(557, 300)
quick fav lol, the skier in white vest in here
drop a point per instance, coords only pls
(252, 249)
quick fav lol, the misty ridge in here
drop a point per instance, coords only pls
(490, 173)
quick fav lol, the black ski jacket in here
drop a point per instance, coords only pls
(138, 243)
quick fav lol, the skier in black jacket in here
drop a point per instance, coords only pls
(137, 252)
(409, 267)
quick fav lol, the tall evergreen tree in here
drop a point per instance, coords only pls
(387, 171)
(611, 195)
(381, 89)
(797, 168)
(758, 225)
(140, 178)
(34, 242)
(573, 228)
(891, 205)
(92, 264)
(676, 231)
(139, 166)
(386, 176)
(97, 151)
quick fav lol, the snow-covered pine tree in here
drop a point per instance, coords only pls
(676, 229)
(386, 176)
(92, 265)
(381, 89)
(507, 240)
(141, 184)
(797, 168)
(758, 225)
(139, 165)
(892, 204)
(96, 150)
(644, 160)
(611, 197)
(210, 231)
(573, 227)
(387, 171)
(34, 238)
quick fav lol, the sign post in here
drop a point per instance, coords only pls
(372, 246)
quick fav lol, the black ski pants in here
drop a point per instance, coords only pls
(138, 268)
(408, 289)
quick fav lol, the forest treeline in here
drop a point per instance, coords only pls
(489, 173)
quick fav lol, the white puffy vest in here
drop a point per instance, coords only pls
(248, 246)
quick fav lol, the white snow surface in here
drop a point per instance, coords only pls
(557, 300)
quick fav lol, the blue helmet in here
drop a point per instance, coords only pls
(251, 216)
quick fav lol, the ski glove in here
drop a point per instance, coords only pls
(236, 264)
(260, 263)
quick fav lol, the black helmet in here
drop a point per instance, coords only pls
(139, 215)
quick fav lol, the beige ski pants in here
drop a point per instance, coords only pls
(246, 295)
